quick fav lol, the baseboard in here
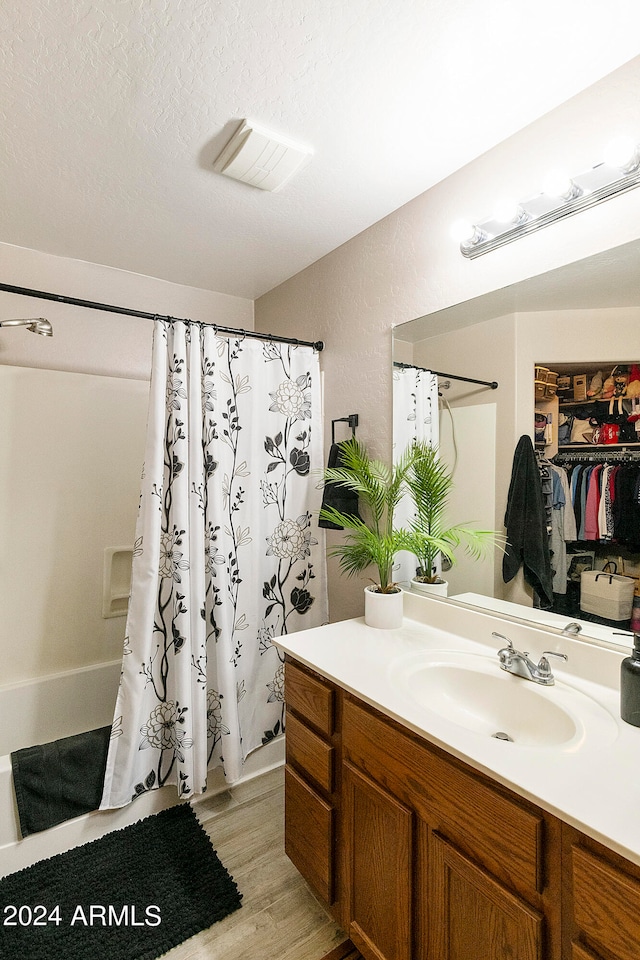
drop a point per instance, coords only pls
(345, 951)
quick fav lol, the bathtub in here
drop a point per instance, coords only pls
(46, 709)
(61, 705)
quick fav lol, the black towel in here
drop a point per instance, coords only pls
(528, 540)
(54, 782)
(336, 495)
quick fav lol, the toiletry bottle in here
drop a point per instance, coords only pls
(630, 685)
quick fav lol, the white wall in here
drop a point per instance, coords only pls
(485, 351)
(407, 265)
(93, 341)
(468, 439)
(71, 450)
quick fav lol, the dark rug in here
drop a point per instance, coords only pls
(131, 895)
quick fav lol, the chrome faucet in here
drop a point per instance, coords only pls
(513, 661)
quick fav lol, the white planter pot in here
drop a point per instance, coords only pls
(383, 610)
(432, 589)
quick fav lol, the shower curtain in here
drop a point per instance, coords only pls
(226, 557)
(415, 417)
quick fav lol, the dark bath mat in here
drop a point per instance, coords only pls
(131, 895)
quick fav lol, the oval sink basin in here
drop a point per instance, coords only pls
(473, 692)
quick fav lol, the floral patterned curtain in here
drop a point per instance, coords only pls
(415, 417)
(226, 557)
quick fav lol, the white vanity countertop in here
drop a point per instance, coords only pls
(592, 784)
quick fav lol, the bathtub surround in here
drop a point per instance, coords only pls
(132, 895)
(72, 447)
(225, 558)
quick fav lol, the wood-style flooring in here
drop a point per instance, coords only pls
(280, 919)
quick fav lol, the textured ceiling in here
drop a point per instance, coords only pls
(112, 114)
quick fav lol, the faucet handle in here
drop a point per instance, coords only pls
(543, 669)
(505, 653)
(501, 636)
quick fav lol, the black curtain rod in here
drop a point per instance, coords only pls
(451, 376)
(74, 302)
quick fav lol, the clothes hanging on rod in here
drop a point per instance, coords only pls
(317, 345)
(561, 524)
(605, 495)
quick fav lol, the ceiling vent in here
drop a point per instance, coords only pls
(260, 158)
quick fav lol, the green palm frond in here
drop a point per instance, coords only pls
(373, 541)
(430, 483)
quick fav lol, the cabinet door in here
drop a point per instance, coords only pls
(379, 841)
(578, 952)
(472, 916)
(309, 834)
(606, 904)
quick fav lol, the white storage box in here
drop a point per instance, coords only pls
(607, 595)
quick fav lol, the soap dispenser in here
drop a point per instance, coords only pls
(630, 685)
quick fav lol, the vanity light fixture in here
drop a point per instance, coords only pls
(561, 196)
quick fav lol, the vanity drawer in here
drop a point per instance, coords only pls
(606, 905)
(482, 822)
(309, 753)
(311, 697)
(309, 833)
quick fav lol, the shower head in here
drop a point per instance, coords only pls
(34, 325)
(41, 326)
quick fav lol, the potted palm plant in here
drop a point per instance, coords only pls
(430, 535)
(373, 541)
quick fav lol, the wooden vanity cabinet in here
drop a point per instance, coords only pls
(312, 779)
(423, 858)
(420, 857)
(441, 863)
(601, 901)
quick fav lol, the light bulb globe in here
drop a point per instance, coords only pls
(622, 153)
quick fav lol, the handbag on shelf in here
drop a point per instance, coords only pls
(609, 433)
(581, 431)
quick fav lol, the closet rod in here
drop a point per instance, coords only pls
(451, 376)
(91, 304)
(596, 456)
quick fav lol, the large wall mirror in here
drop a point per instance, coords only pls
(582, 316)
